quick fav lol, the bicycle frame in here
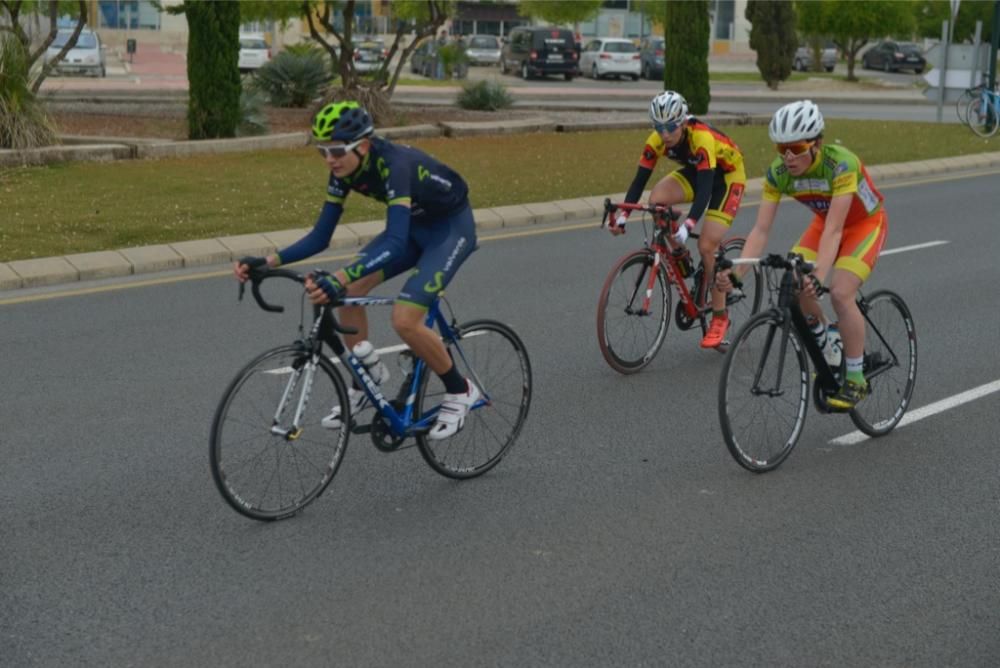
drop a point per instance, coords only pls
(325, 329)
(791, 315)
(662, 246)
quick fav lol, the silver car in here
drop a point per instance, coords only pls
(86, 57)
(804, 58)
(483, 50)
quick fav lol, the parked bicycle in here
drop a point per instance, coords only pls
(764, 387)
(983, 115)
(634, 309)
(271, 455)
(962, 103)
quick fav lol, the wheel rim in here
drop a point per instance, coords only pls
(493, 356)
(267, 476)
(760, 430)
(629, 337)
(891, 387)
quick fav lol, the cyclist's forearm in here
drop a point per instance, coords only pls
(316, 241)
(638, 184)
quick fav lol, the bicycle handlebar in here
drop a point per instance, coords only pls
(259, 274)
(791, 262)
(610, 207)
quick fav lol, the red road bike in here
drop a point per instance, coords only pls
(633, 312)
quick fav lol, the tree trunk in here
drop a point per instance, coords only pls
(213, 68)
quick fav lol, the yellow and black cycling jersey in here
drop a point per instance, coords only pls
(703, 147)
(711, 172)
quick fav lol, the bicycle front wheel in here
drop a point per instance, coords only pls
(491, 355)
(763, 392)
(982, 117)
(270, 455)
(629, 331)
(890, 363)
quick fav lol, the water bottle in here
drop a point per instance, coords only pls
(376, 368)
(833, 350)
(684, 264)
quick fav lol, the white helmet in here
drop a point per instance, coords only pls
(796, 121)
(668, 107)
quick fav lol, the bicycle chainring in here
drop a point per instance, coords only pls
(685, 322)
(382, 437)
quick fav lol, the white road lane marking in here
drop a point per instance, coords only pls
(903, 249)
(930, 409)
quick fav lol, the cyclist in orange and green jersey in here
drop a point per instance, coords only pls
(711, 176)
(845, 237)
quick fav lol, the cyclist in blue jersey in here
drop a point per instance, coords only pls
(429, 229)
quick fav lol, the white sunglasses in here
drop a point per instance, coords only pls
(337, 150)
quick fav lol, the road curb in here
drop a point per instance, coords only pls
(21, 274)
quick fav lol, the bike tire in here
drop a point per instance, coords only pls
(627, 342)
(962, 103)
(890, 360)
(981, 117)
(492, 355)
(262, 475)
(761, 430)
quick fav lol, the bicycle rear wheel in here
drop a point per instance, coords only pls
(490, 354)
(982, 117)
(629, 334)
(263, 467)
(890, 363)
(763, 392)
(962, 103)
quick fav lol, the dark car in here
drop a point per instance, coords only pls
(651, 58)
(533, 52)
(424, 59)
(890, 56)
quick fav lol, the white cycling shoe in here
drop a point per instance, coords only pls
(451, 415)
(357, 400)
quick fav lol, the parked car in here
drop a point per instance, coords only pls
(533, 51)
(651, 58)
(610, 56)
(483, 50)
(86, 56)
(369, 55)
(890, 56)
(254, 52)
(423, 61)
(804, 58)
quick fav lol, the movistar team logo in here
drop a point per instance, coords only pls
(355, 271)
(422, 173)
(436, 286)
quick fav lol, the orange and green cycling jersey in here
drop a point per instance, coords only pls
(836, 171)
(704, 153)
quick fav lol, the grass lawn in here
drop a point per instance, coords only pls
(81, 207)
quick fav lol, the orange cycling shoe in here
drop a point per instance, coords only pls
(716, 333)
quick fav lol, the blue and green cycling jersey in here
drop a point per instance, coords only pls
(419, 191)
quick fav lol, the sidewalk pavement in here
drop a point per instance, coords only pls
(219, 252)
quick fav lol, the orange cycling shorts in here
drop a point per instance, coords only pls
(860, 243)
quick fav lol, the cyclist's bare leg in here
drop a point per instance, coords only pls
(708, 243)
(843, 294)
(356, 316)
(408, 321)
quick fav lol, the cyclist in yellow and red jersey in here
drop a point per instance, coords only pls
(711, 176)
(845, 236)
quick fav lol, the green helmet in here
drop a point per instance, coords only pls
(342, 121)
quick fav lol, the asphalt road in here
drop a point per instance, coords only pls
(617, 532)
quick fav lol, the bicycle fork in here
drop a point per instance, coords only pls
(306, 373)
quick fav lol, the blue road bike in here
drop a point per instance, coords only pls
(270, 454)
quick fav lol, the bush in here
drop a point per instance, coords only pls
(291, 80)
(484, 95)
(23, 121)
(253, 120)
